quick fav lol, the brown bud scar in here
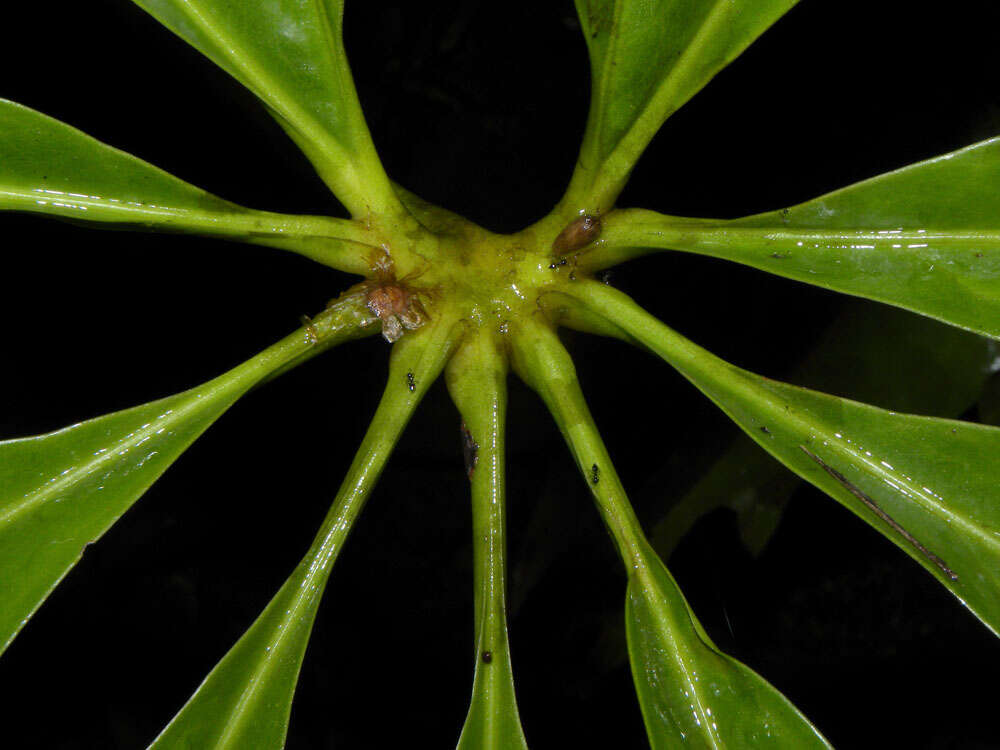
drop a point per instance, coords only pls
(470, 451)
(874, 507)
(578, 233)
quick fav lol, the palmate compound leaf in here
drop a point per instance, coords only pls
(48, 167)
(245, 702)
(927, 484)
(691, 694)
(290, 53)
(60, 492)
(647, 58)
(477, 382)
(925, 238)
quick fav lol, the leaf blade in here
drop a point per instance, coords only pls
(668, 647)
(936, 370)
(291, 55)
(649, 57)
(925, 238)
(48, 167)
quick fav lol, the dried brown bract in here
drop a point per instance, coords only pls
(396, 307)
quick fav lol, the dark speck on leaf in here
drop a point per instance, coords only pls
(595, 474)
(487, 657)
(410, 382)
(765, 430)
(778, 255)
(470, 451)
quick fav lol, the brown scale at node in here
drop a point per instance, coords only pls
(390, 300)
(397, 308)
(579, 233)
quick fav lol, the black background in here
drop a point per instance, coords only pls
(478, 106)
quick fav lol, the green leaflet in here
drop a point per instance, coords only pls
(872, 353)
(925, 483)
(245, 701)
(48, 167)
(925, 238)
(477, 383)
(690, 693)
(290, 53)
(647, 58)
(62, 491)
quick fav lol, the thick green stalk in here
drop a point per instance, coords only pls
(545, 365)
(477, 383)
(344, 244)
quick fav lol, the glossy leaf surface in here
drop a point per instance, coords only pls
(48, 167)
(872, 353)
(290, 53)
(60, 492)
(246, 700)
(925, 483)
(647, 58)
(477, 383)
(690, 693)
(925, 238)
